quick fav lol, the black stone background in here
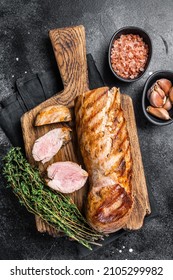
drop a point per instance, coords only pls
(24, 27)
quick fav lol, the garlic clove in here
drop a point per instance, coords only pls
(159, 90)
(149, 92)
(171, 95)
(165, 85)
(156, 100)
(168, 105)
(160, 113)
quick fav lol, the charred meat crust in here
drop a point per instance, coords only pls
(110, 205)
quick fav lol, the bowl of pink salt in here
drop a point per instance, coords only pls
(130, 52)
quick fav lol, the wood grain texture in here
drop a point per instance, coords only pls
(70, 53)
(69, 46)
(141, 205)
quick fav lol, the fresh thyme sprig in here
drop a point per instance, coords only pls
(56, 209)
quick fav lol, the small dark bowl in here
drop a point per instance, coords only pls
(136, 31)
(145, 102)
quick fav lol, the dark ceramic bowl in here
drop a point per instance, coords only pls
(136, 31)
(145, 102)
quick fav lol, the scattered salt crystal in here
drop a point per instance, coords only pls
(120, 251)
(123, 247)
(28, 32)
(12, 76)
(130, 250)
(25, 72)
(17, 59)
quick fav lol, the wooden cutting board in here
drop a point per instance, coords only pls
(69, 46)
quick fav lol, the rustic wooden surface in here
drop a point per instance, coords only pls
(70, 53)
(141, 205)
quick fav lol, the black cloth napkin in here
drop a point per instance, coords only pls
(31, 91)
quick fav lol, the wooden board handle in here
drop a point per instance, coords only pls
(69, 46)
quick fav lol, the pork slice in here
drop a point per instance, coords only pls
(53, 114)
(66, 177)
(49, 144)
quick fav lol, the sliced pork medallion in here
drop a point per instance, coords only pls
(66, 177)
(49, 144)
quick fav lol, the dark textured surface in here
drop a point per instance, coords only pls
(25, 47)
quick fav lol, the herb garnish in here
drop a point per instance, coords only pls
(58, 210)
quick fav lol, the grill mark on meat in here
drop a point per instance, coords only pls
(122, 143)
(115, 215)
(129, 174)
(118, 134)
(88, 94)
(87, 117)
(120, 212)
(95, 125)
(115, 165)
(99, 108)
(127, 148)
(117, 202)
(91, 103)
(83, 99)
(126, 155)
(121, 168)
(117, 131)
(119, 148)
(114, 105)
(116, 118)
(91, 117)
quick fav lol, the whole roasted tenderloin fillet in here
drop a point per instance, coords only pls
(105, 147)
